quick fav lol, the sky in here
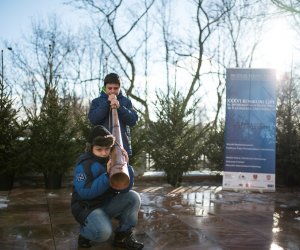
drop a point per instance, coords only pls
(16, 15)
(276, 48)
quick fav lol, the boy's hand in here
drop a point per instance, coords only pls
(114, 103)
(108, 166)
(125, 154)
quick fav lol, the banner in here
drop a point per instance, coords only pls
(250, 130)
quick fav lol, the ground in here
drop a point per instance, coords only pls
(197, 215)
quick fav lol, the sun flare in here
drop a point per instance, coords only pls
(276, 49)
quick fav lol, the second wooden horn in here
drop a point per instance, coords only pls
(118, 174)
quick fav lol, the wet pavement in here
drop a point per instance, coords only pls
(194, 216)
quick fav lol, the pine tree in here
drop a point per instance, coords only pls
(10, 131)
(174, 142)
(52, 139)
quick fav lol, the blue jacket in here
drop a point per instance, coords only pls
(91, 187)
(99, 114)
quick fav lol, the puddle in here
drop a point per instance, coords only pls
(3, 203)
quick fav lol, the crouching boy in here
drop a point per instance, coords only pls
(94, 202)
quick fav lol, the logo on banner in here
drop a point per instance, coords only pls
(241, 176)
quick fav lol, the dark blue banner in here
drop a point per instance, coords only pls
(250, 128)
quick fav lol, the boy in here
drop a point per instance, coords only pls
(94, 203)
(111, 97)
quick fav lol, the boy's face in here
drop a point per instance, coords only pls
(101, 151)
(112, 88)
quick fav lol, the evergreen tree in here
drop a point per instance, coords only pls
(288, 132)
(214, 148)
(174, 142)
(138, 143)
(10, 131)
(52, 139)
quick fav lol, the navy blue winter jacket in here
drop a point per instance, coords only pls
(99, 114)
(91, 188)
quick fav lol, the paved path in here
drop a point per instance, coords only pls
(190, 217)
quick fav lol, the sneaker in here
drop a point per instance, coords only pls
(127, 241)
(83, 242)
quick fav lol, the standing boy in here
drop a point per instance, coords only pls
(111, 97)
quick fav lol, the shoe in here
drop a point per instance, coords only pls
(127, 241)
(83, 242)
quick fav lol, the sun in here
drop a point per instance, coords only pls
(277, 47)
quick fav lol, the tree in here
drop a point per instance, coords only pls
(288, 131)
(237, 38)
(11, 131)
(52, 139)
(115, 39)
(138, 142)
(189, 49)
(44, 63)
(214, 148)
(292, 6)
(174, 143)
(79, 118)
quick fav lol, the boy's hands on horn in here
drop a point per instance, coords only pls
(125, 155)
(114, 103)
(108, 166)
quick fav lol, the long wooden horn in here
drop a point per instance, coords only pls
(118, 174)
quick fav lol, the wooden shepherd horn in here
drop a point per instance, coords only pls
(118, 173)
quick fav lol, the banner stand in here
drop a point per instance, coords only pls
(250, 130)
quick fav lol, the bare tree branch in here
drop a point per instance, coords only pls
(292, 6)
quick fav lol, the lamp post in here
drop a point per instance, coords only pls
(2, 65)
(2, 68)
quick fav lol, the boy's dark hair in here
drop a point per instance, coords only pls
(112, 78)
